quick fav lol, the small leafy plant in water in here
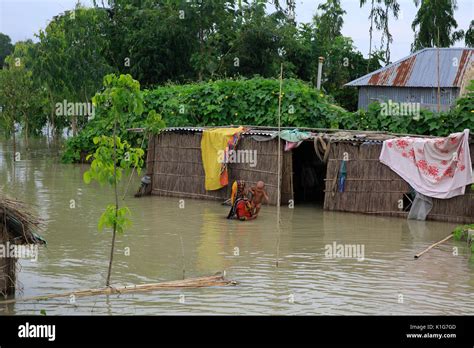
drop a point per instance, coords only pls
(103, 171)
(461, 233)
(113, 156)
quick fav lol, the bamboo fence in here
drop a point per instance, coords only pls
(175, 165)
(373, 188)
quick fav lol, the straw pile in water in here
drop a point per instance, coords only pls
(17, 224)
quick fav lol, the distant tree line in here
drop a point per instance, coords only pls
(163, 41)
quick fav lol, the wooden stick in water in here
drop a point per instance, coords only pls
(433, 245)
(279, 168)
(215, 280)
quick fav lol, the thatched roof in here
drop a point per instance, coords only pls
(17, 224)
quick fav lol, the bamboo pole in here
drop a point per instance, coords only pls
(279, 168)
(133, 171)
(437, 68)
(200, 282)
(433, 245)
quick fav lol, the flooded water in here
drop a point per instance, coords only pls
(386, 281)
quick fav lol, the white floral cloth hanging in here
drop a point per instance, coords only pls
(435, 167)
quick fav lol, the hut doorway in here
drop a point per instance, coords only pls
(309, 173)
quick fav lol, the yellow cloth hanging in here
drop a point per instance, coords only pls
(213, 143)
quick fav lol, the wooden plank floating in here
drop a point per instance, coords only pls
(200, 282)
(433, 245)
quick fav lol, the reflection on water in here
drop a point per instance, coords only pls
(76, 255)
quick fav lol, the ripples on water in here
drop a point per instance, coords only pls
(76, 256)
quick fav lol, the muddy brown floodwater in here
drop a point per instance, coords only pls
(387, 281)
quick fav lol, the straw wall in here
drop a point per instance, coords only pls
(175, 161)
(7, 269)
(373, 188)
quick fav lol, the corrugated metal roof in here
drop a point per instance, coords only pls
(201, 129)
(183, 129)
(334, 135)
(420, 69)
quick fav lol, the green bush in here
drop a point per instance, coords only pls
(76, 148)
(461, 233)
(255, 102)
(460, 117)
(218, 103)
(426, 123)
(242, 102)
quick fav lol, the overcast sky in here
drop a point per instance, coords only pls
(21, 19)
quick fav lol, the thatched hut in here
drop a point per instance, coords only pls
(373, 188)
(175, 168)
(17, 228)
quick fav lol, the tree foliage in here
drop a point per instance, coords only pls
(21, 100)
(379, 15)
(434, 24)
(121, 95)
(6, 48)
(391, 8)
(469, 37)
(255, 102)
(163, 42)
(70, 59)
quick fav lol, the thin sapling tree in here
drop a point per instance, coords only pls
(121, 96)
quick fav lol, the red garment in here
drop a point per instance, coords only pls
(243, 210)
(231, 146)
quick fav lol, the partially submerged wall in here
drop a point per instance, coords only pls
(174, 163)
(7, 269)
(373, 188)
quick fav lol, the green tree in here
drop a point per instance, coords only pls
(345, 64)
(342, 62)
(70, 59)
(373, 14)
(329, 23)
(6, 48)
(257, 46)
(213, 21)
(287, 7)
(391, 8)
(434, 24)
(469, 37)
(20, 99)
(194, 38)
(121, 96)
(154, 45)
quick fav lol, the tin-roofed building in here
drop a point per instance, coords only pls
(414, 79)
